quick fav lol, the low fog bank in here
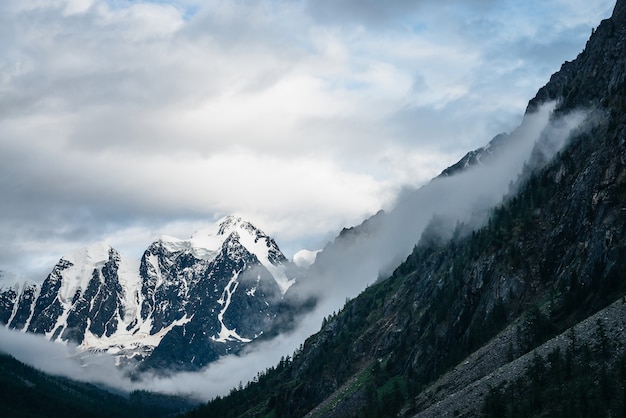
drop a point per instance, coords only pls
(357, 258)
(61, 359)
(218, 378)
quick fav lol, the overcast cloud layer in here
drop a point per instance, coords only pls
(123, 120)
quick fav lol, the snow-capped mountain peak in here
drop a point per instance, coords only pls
(199, 297)
(207, 242)
(10, 280)
(79, 265)
(224, 228)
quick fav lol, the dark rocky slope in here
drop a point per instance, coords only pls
(551, 256)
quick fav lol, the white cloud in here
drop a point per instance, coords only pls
(118, 116)
(217, 379)
(60, 360)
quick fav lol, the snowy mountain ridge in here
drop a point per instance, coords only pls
(206, 295)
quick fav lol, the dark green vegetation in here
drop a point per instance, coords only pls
(581, 381)
(27, 392)
(552, 254)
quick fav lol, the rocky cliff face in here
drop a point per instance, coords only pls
(185, 303)
(597, 76)
(552, 254)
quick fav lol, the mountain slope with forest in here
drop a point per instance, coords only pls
(552, 255)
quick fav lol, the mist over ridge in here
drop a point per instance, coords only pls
(365, 253)
(457, 202)
(357, 258)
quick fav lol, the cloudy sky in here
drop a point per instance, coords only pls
(123, 120)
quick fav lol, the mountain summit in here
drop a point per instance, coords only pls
(185, 303)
